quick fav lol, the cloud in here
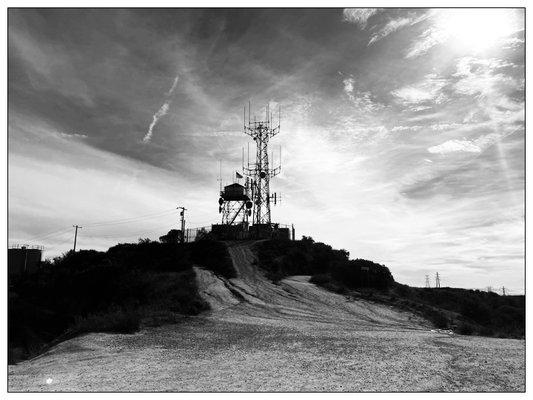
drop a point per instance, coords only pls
(362, 100)
(474, 29)
(348, 85)
(419, 108)
(49, 69)
(429, 38)
(331, 132)
(155, 119)
(161, 112)
(453, 146)
(470, 146)
(426, 90)
(358, 16)
(481, 76)
(513, 43)
(72, 135)
(393, 25)
(173, 87)
(401, 128)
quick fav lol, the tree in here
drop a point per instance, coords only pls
(173, 236)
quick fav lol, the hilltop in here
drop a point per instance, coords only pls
(257, 315)
(152, 283)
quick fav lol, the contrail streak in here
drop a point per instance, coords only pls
(161, 112)
(155, 119)
(174, 84)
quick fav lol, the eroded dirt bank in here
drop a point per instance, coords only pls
(288, 337)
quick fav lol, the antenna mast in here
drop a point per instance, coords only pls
(260, 172)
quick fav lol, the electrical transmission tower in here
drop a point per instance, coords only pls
(260, 172)
(437, 280)
(503, 291)
(427, 281)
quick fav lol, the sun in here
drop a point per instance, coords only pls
(477, 29)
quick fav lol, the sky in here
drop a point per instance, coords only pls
(402, 130)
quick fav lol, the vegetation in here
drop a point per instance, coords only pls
(465, 311)
(114, 291)
(328, 267)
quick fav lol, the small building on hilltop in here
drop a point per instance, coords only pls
(23, 259)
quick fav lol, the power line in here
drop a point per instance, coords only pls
(130, 219)
(49, 234)
(129, 234)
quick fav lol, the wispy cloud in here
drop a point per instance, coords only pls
(426, 90)
(353, 141)
(161, 112)
(72, 135)
(453, 146)
(395, 24)
(428, 39)
(358, 16)
(173, 87)
(483, 76)
(389, 28)
(362, 100)
(470, 146)
(475, 28)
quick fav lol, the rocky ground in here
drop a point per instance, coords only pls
(293, 336)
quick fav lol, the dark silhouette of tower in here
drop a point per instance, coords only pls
(437, 280)
(260, 172)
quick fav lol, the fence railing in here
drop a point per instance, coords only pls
(192, 234)
(25, 247)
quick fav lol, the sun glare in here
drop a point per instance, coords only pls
(477, 29)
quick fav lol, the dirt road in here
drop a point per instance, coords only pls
(288, 337)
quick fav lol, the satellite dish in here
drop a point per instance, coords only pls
(262, 174)
(249, 204)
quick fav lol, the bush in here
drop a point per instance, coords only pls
(465, 328)
(214, 256)
(92, 291)
(116, 320)
(438, 318)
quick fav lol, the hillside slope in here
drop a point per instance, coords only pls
(291, 336)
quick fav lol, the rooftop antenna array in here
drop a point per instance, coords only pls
(260, 172)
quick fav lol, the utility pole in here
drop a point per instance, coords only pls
(182, 215)
(75, 235)
(437, 280)
(427, 281)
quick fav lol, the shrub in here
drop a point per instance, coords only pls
(465, 328)
(92, 291)
(115, 320)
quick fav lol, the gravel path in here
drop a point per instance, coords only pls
(288, 337)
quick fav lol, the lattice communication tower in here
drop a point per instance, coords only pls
(260, 172)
